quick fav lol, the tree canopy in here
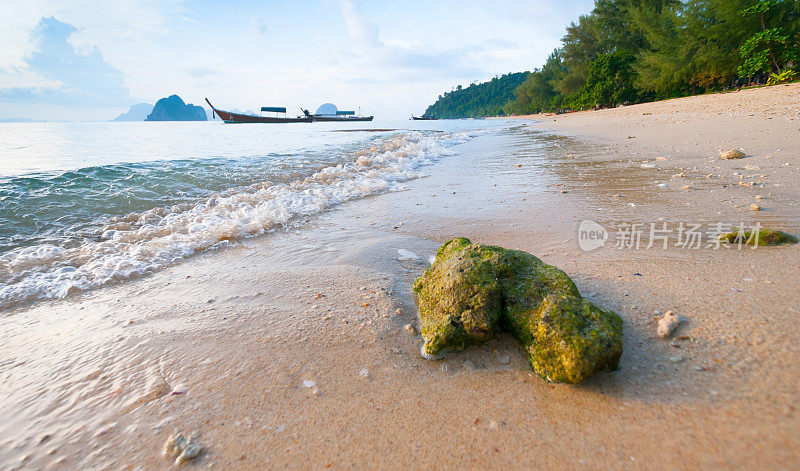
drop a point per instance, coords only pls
(478, 99)
(628, 51)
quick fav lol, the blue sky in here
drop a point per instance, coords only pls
(62, 59)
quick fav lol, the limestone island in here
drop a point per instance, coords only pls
(174, 109)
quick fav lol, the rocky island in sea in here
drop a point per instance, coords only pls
(173, 108)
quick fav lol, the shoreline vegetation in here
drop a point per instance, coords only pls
(636, 51)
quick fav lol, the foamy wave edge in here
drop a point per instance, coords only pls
(140, 244)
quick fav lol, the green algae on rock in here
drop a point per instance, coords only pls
(473, 291)
(761, 237)
(464, 305)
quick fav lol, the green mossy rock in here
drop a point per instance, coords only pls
(762, 237)
(473, 291)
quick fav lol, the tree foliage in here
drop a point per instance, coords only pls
(482, 99)
(639, 50)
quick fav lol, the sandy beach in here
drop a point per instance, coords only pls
(298, 349)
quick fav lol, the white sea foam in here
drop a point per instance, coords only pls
(142, 243)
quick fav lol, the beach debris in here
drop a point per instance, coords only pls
(677, 358)
(179, 389)
(105, 429)
(309, 384)
(731, 154)
(409, 328)
(364, 373)
(182, 449)
(764, 236)
(755, 207)
(404, 255)
(505, 359)
(472, 290)
(668, 324)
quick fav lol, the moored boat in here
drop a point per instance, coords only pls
(280, 116)
(423, 118)
(340, 116)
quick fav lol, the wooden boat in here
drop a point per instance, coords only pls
(340, 116)
(423, 118)
(231, 118)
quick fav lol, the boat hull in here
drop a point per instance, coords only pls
(235, 118)
(340, 120)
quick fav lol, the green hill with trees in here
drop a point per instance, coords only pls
(478, 99)
(629, 51)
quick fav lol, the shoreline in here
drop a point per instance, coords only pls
(240, 333)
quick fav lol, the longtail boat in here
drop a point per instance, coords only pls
(229, 117)
(423, 118)
(340, 116)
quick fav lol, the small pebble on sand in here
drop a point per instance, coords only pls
(182, 449)
(309, 384)
(732, 154)
(755, 207)
(409, 328)
(505, 359)
(364, 373)
(668, 323)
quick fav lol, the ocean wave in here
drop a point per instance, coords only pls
(143, 242)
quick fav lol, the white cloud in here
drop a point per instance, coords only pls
(68, 77)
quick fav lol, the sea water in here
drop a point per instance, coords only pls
(86, 204)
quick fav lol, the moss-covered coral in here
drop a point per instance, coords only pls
(762, 237)
(472, 291)
(464, 305)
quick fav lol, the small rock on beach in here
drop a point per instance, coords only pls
(182, 449)
(668, 324)
(731, 154)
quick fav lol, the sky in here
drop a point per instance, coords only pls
(91, 60)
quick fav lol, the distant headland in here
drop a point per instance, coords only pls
(138, 112)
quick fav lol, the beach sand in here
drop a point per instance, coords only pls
(291, 350)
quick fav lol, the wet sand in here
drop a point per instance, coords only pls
(290, 350)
